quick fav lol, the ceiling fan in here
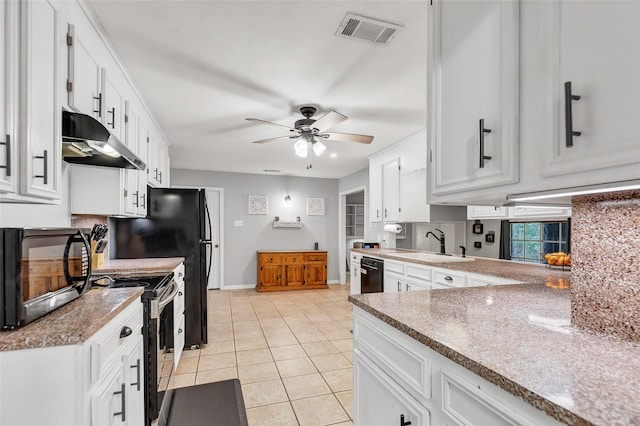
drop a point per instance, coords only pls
(307, 131)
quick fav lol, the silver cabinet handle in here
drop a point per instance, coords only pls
(7, 166)
(137, 200)
(408, 287)
(568, 115)
(160, 175)
(45, 175)
(399, 286)
(123, 399)
(99, 110)
(113, 118)
(377, 212)
(137, 367)
(481, 134)
(144, 197)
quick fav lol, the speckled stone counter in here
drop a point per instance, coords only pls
(519, 337)
(518, 271)
(138, 267)
(73, 323)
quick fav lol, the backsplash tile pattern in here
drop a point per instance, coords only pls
(605, 257)
(87, 221)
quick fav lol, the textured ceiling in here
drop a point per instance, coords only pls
(205, 66)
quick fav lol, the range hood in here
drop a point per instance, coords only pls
(86, 141)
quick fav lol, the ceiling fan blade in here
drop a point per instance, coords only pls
(256, 120)
(281, 138)
(347, 137)
(328, 120)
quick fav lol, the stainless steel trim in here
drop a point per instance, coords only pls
(164, 302)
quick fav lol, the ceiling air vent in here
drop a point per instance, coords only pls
(369, 29)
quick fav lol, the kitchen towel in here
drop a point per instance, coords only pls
(393, 227)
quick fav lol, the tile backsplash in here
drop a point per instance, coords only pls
(605, 257)
(87, 221)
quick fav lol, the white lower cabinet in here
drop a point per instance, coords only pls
(178, 316)
(380, 400)
(96, 383)
(355, 273)
(396, 375)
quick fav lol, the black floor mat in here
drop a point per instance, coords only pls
(211, 404)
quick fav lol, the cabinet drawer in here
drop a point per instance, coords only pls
(313, 257)
(398, 355)
(107, 341)
(477, 280)
(418, 271)
(178, 341)
(392, 266)
(449, 278)
(178, 274)
(292, 258)
(268, 258)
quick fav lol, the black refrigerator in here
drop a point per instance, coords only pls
(177, 225)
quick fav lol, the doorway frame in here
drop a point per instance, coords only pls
(342, 234)
(220, 191)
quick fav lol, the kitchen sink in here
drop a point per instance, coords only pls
(433, 257)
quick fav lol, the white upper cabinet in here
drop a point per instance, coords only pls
(113, 100)
(135, 193)
(487, 212)
(42, 45)
(8, 97)
(595, 47)
(474, 85)
(391, 193)
(375, 192)
(84, 76)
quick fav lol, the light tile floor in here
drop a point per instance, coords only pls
(292, 352)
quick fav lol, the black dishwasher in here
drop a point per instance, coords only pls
(371, 275)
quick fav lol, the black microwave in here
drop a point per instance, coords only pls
(42, 269)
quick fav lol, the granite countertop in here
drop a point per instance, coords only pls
(74, 322)
(519, 337)
(519, 271)
(138, 267)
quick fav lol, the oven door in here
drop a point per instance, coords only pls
(164, 359)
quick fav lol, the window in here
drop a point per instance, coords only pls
(530, 241)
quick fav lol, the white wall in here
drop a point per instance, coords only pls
(257, 233)
(491, 250)
(14, 215)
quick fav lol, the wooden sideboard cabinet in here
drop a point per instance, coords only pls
(291, 270)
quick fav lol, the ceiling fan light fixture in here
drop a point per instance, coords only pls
(301, 148)
(319, 148)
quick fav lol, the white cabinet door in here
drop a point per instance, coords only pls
(375, 193)
(109, 402)
(393, 283)
(379, 401)
(391, 193)
(84, 78)
(152, 159)
(414, 285)
(539, 212)
(163, 164)
(596, 50)
(486, 212)
(133, 364)
(8, 97)
(474, 79)
(42, 40)
(113, 112)
(135, 180)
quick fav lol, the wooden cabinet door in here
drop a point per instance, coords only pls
(597, 45)
(375, 193)
(474, 74)
(316, 273)
(42, 42)
(391, 192)
(294, 274)
(270, 276)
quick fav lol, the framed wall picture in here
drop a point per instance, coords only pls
(478, 228)
(315, 206)
(477, 244)
(258, 204)
(490, 237)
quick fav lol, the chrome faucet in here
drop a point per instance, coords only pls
(441, 239)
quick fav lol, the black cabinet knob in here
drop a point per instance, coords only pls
(125, 331)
